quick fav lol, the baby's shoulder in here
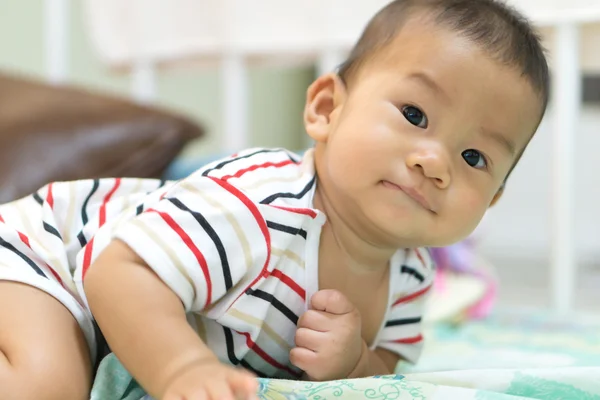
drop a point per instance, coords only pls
(415, 266)
(250, 163)
(419, 257)
(257, 173)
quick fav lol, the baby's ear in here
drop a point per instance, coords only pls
(323, 97)
(497, 195)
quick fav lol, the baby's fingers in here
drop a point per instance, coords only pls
(193, 394)
(331, 301)
(244, 385)
(219, 390)
(303, 358)
(310, 339)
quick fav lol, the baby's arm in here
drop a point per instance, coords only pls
(145, 325)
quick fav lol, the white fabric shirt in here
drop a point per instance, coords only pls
(237, 241)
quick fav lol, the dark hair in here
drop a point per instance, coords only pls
(505, 34)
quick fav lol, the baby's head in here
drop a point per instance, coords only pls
(421, 126)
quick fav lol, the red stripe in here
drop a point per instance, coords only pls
(258, 166)
(411, 297)
(25, 240)
(290, 282)
(1, 219)
(420, 257)
(55, 275)
(303, 211)
(256, 348)
(106, 200)
(412, 340)
(261, 223)
(87, 257)
(190, 245)
(49, 197)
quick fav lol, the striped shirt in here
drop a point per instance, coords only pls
(237, 241)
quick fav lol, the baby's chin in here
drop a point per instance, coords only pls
(421, 236)
(444, 240)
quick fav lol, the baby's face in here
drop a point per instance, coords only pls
(424, 137)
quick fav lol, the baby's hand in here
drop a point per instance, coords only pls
(212, 381)
(328, 339)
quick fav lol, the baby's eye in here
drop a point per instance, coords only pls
(415, 116)
(475, 159)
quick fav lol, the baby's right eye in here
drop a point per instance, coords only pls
(415, 116)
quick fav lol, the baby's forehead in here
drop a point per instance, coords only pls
(419, 37)
(456, 78)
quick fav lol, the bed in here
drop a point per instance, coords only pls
(510, 355)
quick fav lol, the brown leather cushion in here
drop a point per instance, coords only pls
(52, 133)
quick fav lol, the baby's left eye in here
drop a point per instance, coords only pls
(474, 158)
(415, 116)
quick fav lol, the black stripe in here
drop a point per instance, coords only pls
(406, 321)
(411, 271)
(229, 161)
(213, 236)
(139, 209)
(247, 366)
(289, 195)
(82, 239)
(275, 303)
(102, 348)
(50, 229)
(229, 345)
(84, 216)
(161, 183)
(232, 357)
(287, 229)
(38, 198)
(28, 260)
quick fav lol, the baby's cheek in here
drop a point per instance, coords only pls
(471, 209)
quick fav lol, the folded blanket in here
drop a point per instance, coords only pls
(113, 382)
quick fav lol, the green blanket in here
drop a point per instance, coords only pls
(581, 383)
(509, 356)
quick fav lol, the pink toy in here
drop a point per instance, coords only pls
(462, 258)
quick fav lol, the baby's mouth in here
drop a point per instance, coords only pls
(413, 193)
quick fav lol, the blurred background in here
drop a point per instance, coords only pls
(233, 74)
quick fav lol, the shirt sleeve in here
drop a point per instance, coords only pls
(402, 332)
(203, 239)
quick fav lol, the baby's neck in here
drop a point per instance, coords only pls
(344, 250)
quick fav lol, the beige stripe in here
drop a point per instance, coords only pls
(167, 249)
(70, 213)
(200, 328)
(24, 216)
(127, 208)
(239, 232)
(271, 180)
(61, 269)
(289, 255)
(262, 325)
(127, 199)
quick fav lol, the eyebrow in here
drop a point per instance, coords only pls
(500, 139)
(428, 81)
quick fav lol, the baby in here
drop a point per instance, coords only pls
(271, 265)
